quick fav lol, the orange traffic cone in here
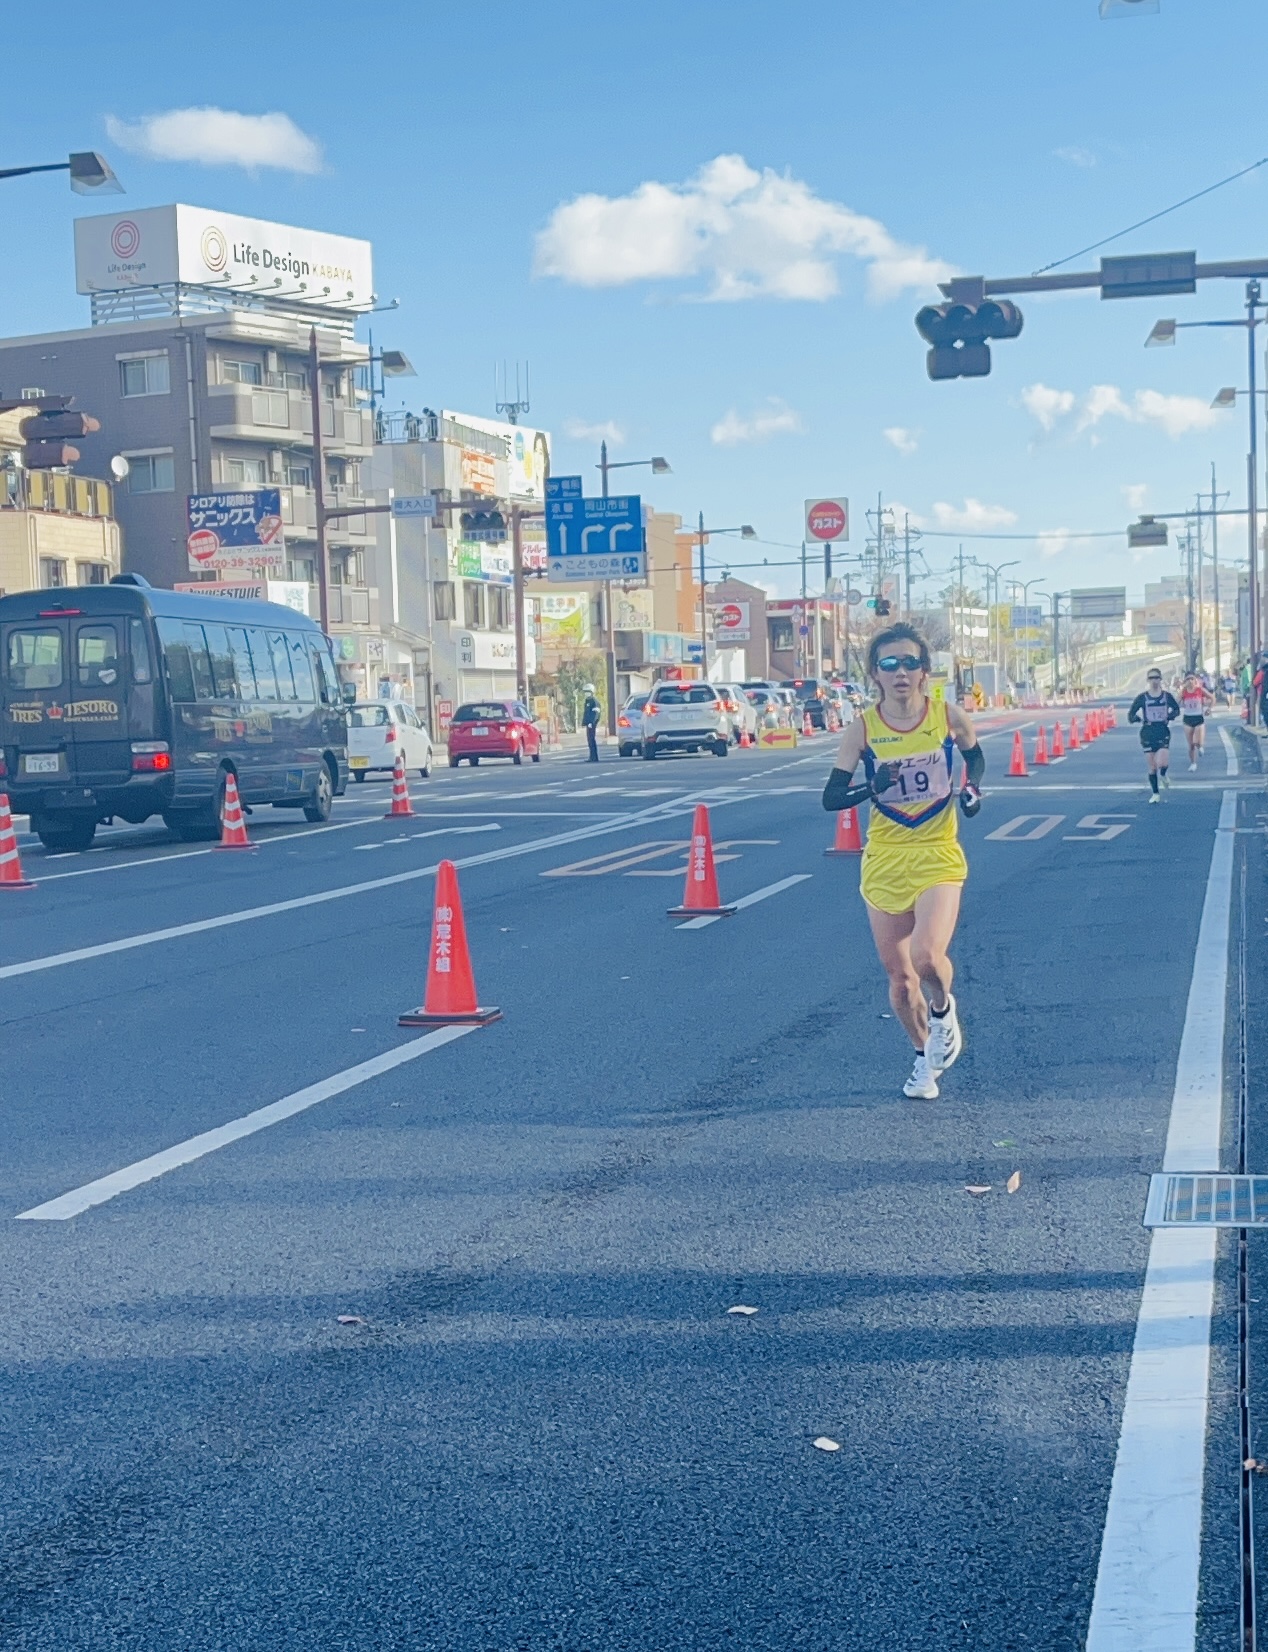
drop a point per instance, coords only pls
(848, 839)
(1041, 748)
(1075, 742)
(10, 862)
(451, 993)
(1113, 717)
(807, 727)
(233, 826)
(401, 804)
(1017, 762)
(1058, 744)
(700, 897)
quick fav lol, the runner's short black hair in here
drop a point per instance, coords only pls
(901, 632)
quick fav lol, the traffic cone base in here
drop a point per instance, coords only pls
(401, 804)
(10, 861)
(1017, 769)
(848, 839)
(451, 995)
(233, 826)
(700, 897)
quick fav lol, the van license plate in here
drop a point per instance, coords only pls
(358, 762)
(42, 765)
(481, 733)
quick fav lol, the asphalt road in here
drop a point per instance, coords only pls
(542, 1428)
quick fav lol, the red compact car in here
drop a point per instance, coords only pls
(493, 728)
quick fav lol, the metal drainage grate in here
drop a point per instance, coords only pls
(1210, 1201)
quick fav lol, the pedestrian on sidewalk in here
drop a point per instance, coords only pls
(590, 721)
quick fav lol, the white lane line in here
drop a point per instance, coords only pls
(210, 1141)
(440, 831)
(749, 900)
(1147, 1583)
(1231, 765)
(128, 943)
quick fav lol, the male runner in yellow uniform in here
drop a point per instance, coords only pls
(913, 865)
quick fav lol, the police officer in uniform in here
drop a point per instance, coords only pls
(590, 719)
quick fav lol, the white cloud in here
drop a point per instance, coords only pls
(1136, 493)
(904, 440)
(1176, 415)
(1075, 155)
(1052, 541)
(973, 516)
(1046, 404)
(609, 431)
(219, 137)
(774, 420)
(749, 234)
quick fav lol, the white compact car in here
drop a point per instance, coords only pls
(377, 730)
(686, 716)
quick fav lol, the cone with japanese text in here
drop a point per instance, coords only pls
(1075, 742)
(700, 897)
(1017, 762)
(848, 838)
(1058, 743)
(233, 826)
(401, 804)
(450, 998)
(1041, 748)
(10, 862)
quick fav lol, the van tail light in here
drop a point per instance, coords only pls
(623, 721)
(651, 709)
(150, 757)
(391, 733)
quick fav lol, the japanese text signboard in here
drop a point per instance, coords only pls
(236, 529)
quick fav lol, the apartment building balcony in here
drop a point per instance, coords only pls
(347, 604)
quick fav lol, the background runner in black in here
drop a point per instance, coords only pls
(1155, 710)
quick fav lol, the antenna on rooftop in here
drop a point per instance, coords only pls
(502, 400)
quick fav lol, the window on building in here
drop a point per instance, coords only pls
(246, 472)
(93, 573)
(443, 604)
(145, 375)
(298, 475)
(473, 605)
(52, 572)
(300, 568)
(293, 380)
(151, 473)
(241, 372)
(271, 407)
(781, 635)
(501, 608)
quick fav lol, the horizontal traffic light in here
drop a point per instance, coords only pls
(47, 437)
(959, 333)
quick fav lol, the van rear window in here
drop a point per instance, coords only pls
(369, 717)
(34, 658)
(485, 711)
(690, 694)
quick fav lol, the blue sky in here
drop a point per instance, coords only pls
(754, 348)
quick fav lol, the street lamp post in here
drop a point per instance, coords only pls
(90, 173)
(993, 572)
(659, 467)
(1024, 587)
(745, 531)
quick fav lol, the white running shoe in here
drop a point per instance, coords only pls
(1164, 779)
(1154, 798)
(1193, 768)
(945, 1040)
(922, 1085)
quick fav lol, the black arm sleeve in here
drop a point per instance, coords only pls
(974, 764)
(840, 794)
(1138, 705)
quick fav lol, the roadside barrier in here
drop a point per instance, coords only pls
(848, 838)
(1017, 762)
(451, 994)
(1041, 748)
(233, 826)
(401, 804)
(700, 897)
(10, 861)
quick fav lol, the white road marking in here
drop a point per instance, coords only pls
(1099, 828)
(749, 900)
(1231, 765)
(210, 1141)
(1009, 832)
(1147, 1582)
(440, 831)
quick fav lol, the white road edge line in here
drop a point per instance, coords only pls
(1231, 765)
(1146, 1596)
(210, 1141)
(749, 900)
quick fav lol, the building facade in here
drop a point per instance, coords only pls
(56, 529)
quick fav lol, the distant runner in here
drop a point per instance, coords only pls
(1155, 710)
(913, 865)
(1195, 701)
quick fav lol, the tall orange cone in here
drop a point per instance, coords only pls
(451, 993)
(1017, 762)
(1058, 744)
(807, 727)
(1041, 748)
(848, 839)
(1113, 717)
(233, 826)
(700, 897)
(10, 862)
(1075, 742)
(401, 804)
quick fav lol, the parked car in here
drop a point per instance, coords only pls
(377, 730)
(688, 716)
(493, 728)
(855, 695)
(841, 703)
(741, 710)
(811, 697)
(769, 704)
(629, 726)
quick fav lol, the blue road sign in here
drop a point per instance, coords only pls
(594, 538)
(563, 487)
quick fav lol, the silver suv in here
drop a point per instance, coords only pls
(690, 716)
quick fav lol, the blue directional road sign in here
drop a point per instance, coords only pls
(594, 538)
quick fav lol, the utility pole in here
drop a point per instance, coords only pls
(319, 482)
(704, 613)
(517, 575)
(960, 630)
(609, 630)
(803, 642)
(1056, 640)
(1200, 658)
(1187, 551)
(907, 565)
(1215, 564)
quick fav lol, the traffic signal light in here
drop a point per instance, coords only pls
(959, 334)
(47, 437)
(883, 606)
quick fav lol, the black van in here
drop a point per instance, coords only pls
(124, 701)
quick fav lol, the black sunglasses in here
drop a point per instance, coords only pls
(900, 662)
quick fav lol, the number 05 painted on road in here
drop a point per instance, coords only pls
(1091, 829)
